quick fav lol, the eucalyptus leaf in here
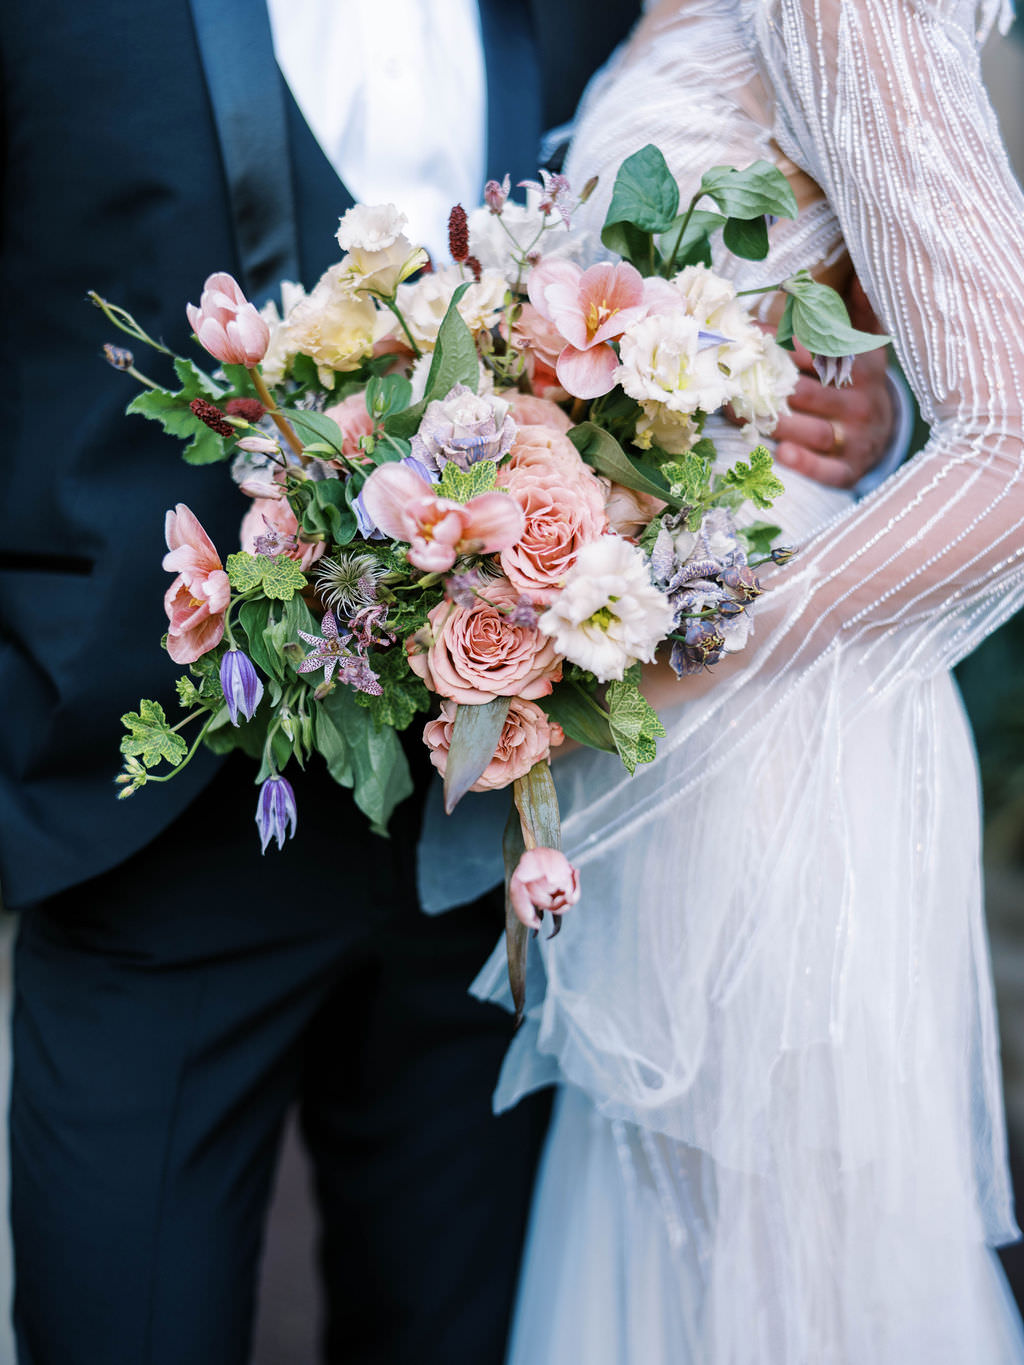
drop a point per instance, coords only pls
(475, 736)
(537, 803)
(760, 188)
(645, 192)
(602, 452)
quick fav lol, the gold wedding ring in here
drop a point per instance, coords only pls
(838, 438)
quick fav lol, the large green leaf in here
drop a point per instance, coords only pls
(819, 320)
(695, 247)
(602, 452)
(150, 736)
(747, 237)
(645, 193)
(475, 736)
(315, 427)
(373, 759)
(760, 188)
(454, 361)
(579, 716)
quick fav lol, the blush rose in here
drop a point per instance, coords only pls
(527, 738)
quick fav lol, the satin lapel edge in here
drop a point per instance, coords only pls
(247, 98)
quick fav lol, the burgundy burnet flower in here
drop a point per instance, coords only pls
(276, 813)
(240, 684)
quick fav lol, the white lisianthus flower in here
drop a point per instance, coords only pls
(759, 388)
(673, 432)
(370, 227)
(424, 303)
(609, 615)
(660, 361)
(706, 296)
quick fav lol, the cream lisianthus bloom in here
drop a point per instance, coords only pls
(424, 303)
(280, 352)
(705, 295)
(762, 376)
(609, 615)
(662, 360)
(378, 255)
(334, 326)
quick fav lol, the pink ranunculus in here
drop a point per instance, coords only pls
(477, 654)
(198, 598)
(275, 514)
(544, 879)
(527, 738)
(590, 308)
(564, 505)
(227, 324)
(629, 511)
(530, 411)
(404, 505)
(354, 420)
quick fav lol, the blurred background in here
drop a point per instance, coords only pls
(992, 682)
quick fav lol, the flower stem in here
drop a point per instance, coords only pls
(191, 753)
(390, 302)
(282, 424)
(124, 321)
(670, 264)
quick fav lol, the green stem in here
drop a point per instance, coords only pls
(124, 321)
(282, 424)
(390, 302)
(764, 289)
(670, 266)
(189, 756)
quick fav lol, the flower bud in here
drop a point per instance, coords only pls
(240, 684)
(227, 325)
(783, 554)
(495, 194)
(544, 879)
(276, 814)
(118, 356)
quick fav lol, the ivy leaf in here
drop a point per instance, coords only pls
(760, 188)
(755, 481)
(150, 736)
(244, 571)
(689, 479)
(281, 578)
(634, 724)
(645, 193)
(462, 484)
(819, 320)
(173, 413)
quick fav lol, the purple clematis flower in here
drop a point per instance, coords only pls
(276, 815)
(240, 684)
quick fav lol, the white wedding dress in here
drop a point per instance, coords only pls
(779, 1139)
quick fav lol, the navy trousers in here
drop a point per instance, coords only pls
(168, 1013)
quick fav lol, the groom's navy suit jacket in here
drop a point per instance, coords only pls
(147, 143)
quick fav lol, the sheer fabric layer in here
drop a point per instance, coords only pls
(779, 961)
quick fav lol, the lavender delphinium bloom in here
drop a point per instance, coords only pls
(276, 814)
(463, 427)
(240, 684)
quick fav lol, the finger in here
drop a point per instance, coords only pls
(826, 469)
(814, 398)
(814, 433)
(803, 358)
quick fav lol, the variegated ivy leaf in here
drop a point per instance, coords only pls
(755, 481)
(462, 484)
(244, 572)
(278, 575)
(634, 724)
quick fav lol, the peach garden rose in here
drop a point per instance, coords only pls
(527, 738)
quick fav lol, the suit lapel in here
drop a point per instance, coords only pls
(237, 54)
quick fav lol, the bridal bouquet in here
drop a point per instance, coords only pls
(480, 490)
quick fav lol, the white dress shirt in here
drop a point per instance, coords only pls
(395, 93)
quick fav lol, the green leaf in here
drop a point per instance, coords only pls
(760, 188)
(244, 571)
(602, 452)
(759, 537)
(475, 737)
(455, 359)
(207, 669)
(327, 511)
(755, 481)
(689, 479)
(173, 413)
(632, 244)
(281, 578)
(784, 331)
(387, 394)
(254, 618)
(579, 716)
(150, 736)
(634, 724)
(462, 484)
(517, 935)
(371, 759)
(315, 427)
(404, 693)
(695, 248)
(747, 237)
(820, 322)
(645, 193)
(188, 693)
(537, 804)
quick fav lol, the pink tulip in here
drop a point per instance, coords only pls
(544, 879)
(405, 507)
(590, 308)
(198, 598)
(227, 324)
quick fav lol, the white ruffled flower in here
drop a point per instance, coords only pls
(660, 361)
(706, 296)
(370, 227)
(334, 327)
(609, 615)
(425, 302)
(762, 376)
